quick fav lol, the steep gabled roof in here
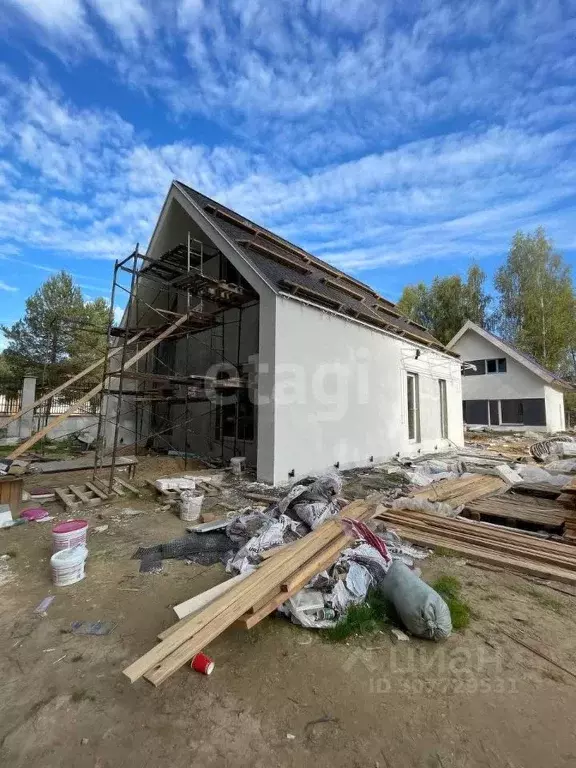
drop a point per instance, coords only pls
(297, 273)
(509, 349)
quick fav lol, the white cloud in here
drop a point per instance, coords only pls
(64, 17)
(118, 314)
(5, 287)
(129, 19)
(372, 133)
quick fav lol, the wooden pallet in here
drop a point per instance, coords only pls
(90, 494)
(76, 496)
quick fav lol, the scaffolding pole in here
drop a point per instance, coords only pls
(215, 297)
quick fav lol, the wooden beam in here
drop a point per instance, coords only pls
(62, 387)
(94, 391)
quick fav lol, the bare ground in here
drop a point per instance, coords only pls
(280, 695)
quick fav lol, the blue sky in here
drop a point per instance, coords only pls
(395, 140)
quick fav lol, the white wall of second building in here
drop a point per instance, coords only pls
(555, 416)
(340, 393)
(518, 382)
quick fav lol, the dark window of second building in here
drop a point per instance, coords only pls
(512, 411)
(478, 370)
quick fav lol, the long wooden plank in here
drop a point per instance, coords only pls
(534, 515)
(208, 630)
(249, 620)
(95, 390)
(250, 591)
(483, 529)
(218, 616)
(530, 551)
(485, 556)
(66, 384)
(311, 568)
(72, 465)
(200, 601)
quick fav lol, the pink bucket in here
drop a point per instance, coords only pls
(70, 534)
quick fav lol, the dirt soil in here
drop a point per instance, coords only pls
(280, 695)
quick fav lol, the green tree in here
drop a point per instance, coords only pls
(537, 306)
(447, 303)
(90, 339)
(52, 340)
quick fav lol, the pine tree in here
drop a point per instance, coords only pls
(51, 341)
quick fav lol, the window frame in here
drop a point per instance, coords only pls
(443, 394)
(413, 415)
(500, 366)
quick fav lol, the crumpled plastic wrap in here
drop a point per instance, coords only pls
(271, 533)
(422, 505)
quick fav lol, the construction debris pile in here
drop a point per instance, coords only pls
(327, 561)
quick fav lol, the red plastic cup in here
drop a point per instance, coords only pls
(203, 664)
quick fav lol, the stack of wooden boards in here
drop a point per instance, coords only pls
(461, 490)
(540, 505)
(568, 499)
(251, 599)
(487, 543)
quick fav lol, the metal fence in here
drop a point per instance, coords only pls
(11, 402)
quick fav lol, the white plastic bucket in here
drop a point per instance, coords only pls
(237, 464)
(190, 506)
(68, 535)
(68, 566)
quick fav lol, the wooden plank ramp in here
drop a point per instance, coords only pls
(308, 556)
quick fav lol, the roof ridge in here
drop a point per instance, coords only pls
(287, 243)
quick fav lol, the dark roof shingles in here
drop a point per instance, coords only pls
(276, 272)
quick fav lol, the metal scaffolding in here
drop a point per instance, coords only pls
(184, 301)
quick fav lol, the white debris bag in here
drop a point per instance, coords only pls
(421, 609)
(562, 465)
(423, 505)
(533, 474)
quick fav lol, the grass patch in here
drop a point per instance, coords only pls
(449, 587)
(371, 616)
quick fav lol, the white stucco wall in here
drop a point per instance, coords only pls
(340, 393)
(555, 416)
(517, 383)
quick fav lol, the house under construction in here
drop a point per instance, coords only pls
(235, 342)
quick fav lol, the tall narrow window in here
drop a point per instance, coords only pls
(413, 402)
(443, 408)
